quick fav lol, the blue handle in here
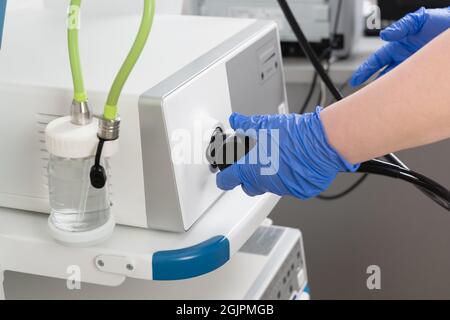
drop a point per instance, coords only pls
(191, 262)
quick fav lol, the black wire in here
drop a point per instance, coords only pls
(386, 165)
(430, 186)
(324, 54)
(362, 179)
(346, 192)
(98, 154)
(307, 49)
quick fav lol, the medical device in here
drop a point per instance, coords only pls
(318, 19)
(269, 266)
(193, 74)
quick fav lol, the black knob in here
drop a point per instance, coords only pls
(225, 150)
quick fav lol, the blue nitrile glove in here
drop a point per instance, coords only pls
(405, 38)
(300, 161)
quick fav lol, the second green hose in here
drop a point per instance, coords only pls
(110, 112)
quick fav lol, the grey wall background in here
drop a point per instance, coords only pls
(384, 222)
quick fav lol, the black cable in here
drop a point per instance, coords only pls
(346, 192)
(429, 187)
(432, 189)
(364, 177)
(327, 52)
(311, 55)
(307, 49)
(98, 173)
(98, 153)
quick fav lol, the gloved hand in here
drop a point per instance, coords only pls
(297, 160)
(405, 38)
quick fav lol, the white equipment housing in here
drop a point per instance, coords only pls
(193, 74)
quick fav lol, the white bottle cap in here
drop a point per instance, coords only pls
(67, 140)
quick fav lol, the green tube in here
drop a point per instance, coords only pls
(110, 112)
(73, 25)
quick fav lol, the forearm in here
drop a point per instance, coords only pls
(406, 108)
